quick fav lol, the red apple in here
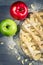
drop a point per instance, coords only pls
(19, 10)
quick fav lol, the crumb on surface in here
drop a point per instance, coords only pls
(18, 58)
(30, 63)
(22, 62)
(26, 60)
(1, 43)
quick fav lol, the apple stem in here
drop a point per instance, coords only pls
(20, 9)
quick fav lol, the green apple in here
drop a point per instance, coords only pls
(8, 27)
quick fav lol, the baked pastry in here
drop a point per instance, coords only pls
(31, 36)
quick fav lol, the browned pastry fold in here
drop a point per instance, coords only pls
(41, 33)
(40, 13)
(39, 17)
(34, 37)
(33, 52)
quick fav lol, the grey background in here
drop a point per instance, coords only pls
(5, 57)
(9, 2)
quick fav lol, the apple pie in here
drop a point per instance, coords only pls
(31, 36)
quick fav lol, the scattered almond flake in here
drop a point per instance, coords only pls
(22, 62)
(26, 60)
(11, 47)
(30, 63)
(19, 58)
(32, 6)
(1, 43)
(16, 51)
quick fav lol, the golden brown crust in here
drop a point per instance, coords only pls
(31, 36)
